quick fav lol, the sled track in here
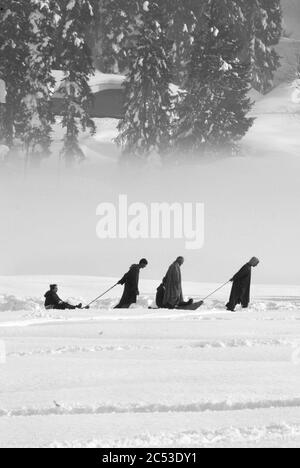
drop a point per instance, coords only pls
(240, 343)
(34, 307)
(152, 408)
(79, 349)
(226, 344)
(225, 436)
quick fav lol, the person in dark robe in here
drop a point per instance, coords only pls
(173, 296)
(240, 292)
(131, 285)
(53, 301)
(160, 294)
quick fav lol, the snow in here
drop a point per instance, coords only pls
(276, 129)
(288, 50)
(4, 150)
(146, 6)
(139, 377)
(296, 92)
(71, 4)
(2, 92)
(98, 82)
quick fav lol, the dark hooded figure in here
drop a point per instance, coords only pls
(53, 301)
(240, 293)
(131, 285)
(173, 296)
(160, 294)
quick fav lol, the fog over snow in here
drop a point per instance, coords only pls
(251, 206)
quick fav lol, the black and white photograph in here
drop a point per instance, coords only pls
(149, 226)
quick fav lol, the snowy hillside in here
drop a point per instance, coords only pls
(289, 51)
(147, 378)
(276, 129)
(291, 14)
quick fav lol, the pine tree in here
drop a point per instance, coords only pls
(213, 115)
(77, 65)
(264, 29)
(26, 59)
(13, 36)
(38, 80)
(181, 24)
(34, 36)
(183, 16)
(118, 29)
(116, 34)
(145, 129)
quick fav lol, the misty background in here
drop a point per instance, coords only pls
(48, 215)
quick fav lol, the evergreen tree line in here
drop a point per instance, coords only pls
(211, 51)
(214, 51)
(37, 36)
(259, 27)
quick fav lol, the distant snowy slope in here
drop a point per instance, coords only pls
(291, 15)
(281, 100)
(277, 125)
(98, 148)
(289, 50)
(289, 46)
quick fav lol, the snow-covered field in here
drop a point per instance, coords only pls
(106, 378)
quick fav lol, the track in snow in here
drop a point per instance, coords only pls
(226, 437)
(60, 410)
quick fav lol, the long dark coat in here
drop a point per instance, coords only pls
(173, 287)
(240, 293)
(131, 287)
(52, 299)
(160, 295)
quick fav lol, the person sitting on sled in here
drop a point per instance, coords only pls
(240, 292)
(131, 285)
(53, 301)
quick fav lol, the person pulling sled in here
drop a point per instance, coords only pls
(240, 292)
(131, 285)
